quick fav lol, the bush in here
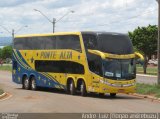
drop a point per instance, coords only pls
(1, 91)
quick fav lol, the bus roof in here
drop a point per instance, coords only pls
(67, 33)
(47, 34)
(102, 32)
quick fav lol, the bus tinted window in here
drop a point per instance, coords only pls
(95, 63)
(59, 67)
(115, 43)
(34, 43)
(90, 41)
(68, 42)
(19, 43)
(49, 42)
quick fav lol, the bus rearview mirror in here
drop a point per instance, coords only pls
(139, 58)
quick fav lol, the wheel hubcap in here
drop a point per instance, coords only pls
(71, 86)
(33, 84)
(82, 86)
(26, 83)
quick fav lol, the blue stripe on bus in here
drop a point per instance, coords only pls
(42, 79)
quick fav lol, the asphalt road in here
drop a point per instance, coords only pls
(57, 101)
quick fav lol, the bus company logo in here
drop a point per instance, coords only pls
(54, 55)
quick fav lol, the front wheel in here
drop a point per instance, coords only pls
(112, 94)
(83, 89)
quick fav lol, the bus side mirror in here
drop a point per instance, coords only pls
(139, 58)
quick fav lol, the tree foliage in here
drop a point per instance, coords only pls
(144, 39)
(6, 52)
(0, 53)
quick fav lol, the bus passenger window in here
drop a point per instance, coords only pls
(68, 42)
(90, 41)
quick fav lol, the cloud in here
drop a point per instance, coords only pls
(62, 3)
(11, 3)
(104, 15)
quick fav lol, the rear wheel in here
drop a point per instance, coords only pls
(71, 87)
(112, 94)
(101, 94)
(83, 89)
(33, 83)
(26, 83)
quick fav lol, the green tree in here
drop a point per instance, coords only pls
(144, 39)
(0, 53)
(7, 52)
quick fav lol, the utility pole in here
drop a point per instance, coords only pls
(12, 37)
(13, 31)
(158, 49)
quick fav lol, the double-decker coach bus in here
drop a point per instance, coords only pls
(99, 62)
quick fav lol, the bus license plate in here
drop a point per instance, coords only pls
(121, 91)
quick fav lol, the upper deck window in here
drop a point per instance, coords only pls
(48, 42)
(90, 41)
(68, 42)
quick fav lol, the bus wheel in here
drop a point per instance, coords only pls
(72, 89)
(83, 89)
(112, 94)
(26, 83)
(101, 94)
(33, 83)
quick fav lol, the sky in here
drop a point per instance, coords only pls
(89, 15)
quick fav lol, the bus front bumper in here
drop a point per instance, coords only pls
(118, 87)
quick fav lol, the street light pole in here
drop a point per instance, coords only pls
(54, 19)
(54, 22)
(13, 31)
(158, 49)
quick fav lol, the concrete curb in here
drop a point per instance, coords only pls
(146, 96)
(3, 95)
(146, 75)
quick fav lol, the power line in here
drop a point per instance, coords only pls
(116, 21)
(133, 17)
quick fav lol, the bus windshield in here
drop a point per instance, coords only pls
(108, 42)
(118, 69)
(115, 43)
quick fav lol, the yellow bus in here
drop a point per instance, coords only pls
(99, 62)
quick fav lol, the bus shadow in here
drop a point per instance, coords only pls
(89, 95)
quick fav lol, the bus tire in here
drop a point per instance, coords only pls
(83, 89)
(72, 89)
(33, 83)
(26, 83)
(112, 94)
(101, 94)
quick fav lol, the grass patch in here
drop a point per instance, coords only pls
(148, 89)
(1, 91)
(150, 70)
(6, 67)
